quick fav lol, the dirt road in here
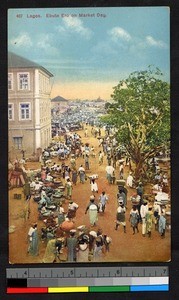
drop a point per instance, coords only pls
(125, 247)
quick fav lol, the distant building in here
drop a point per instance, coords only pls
(59, 103)
(29, 106)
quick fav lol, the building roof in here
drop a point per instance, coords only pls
(16, 61)
(59, 99)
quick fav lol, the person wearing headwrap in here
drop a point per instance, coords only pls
(61, 214)
(98, 245)
(162, 224)
(157, 213)
(120, 216)
(134, 218)
(81, 172)
(93, 211)
(94, 186)
(143, 212)
(69, 188)
(71, 243)
(74, 175)
(53, 250)
(130, 180)
(149, 220)
(33, 240)
(103, 198)
(72, 208)
(83, 244)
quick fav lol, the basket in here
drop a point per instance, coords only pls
(120, 182)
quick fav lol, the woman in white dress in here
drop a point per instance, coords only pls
(94, 186)
(130, 180)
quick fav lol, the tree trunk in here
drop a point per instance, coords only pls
(138, 170)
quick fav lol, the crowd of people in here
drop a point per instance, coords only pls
(54, 185)
(52, 188)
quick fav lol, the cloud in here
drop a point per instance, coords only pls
(140, 46)
(61, 29)
(45, 41)
(72, 25)
(23, 39)
(155, 43)
(118, 33)
(63, 65)
(104, 48)
(60, 61)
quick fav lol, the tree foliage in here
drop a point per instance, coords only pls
(141, 113)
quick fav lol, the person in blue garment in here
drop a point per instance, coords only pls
(81, 172)
(71, 243)
(162, 224)
(33, 240)
(134, 218)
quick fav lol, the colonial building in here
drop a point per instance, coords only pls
(29, 106)
(59, 104)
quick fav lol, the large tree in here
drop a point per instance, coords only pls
(140, 111)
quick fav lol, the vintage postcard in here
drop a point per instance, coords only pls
(89, 135)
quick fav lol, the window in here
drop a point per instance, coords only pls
(17, 143)
(10, 81)
(10, 112)
(23, 81)
(25, 111)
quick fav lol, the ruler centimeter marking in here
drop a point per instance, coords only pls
(81, 272)
(90, 279)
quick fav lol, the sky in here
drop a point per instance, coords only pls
(89, 50)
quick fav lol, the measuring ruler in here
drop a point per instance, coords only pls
(87, 279)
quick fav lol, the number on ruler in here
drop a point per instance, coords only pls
(164, 271)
